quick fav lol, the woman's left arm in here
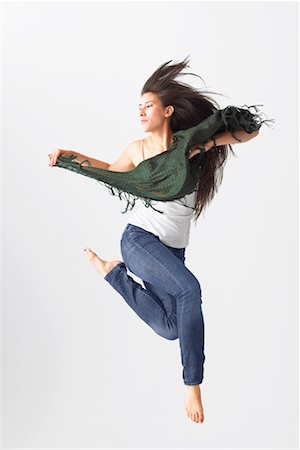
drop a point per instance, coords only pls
(228, 138)
(223, 139)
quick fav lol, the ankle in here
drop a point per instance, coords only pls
(192, 388)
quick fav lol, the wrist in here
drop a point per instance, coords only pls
(209, 144)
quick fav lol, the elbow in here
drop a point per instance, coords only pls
(253, 134)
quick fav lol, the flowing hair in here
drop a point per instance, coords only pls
(191, 106)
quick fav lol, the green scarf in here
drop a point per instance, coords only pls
(171, 174)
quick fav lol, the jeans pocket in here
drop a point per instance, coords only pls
(135, 230)
(126, 230)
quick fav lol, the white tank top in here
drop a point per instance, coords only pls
(173, 226)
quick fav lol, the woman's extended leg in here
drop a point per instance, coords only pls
(149, 259)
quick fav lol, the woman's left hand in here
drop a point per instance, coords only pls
(196, 148)
(193, 152)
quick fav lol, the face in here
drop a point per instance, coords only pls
(153, 114)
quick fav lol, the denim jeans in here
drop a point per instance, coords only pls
(171, 301)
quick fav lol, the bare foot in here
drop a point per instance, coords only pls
(102, 266)
(193, 404)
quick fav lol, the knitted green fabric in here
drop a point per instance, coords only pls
(171, 174)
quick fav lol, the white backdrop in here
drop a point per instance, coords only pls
(79, 368)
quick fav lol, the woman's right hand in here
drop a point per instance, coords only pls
(59, 152)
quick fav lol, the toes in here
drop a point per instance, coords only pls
(89, 252)
(195, 416)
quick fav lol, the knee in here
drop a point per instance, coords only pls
(191, 288)
(171, 335)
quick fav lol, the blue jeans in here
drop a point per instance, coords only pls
(171, 301)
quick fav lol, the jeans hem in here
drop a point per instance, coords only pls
(112, 270)
(192, 383)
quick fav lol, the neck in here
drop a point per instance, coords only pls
(161, 139)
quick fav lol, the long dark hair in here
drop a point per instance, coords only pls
(191, 106)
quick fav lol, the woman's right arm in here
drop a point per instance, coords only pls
(123, 164)
(79, 158)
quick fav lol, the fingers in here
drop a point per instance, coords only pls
(50, 161)
(53, 157)
(193, 152)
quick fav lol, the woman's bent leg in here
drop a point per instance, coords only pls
(143, 302)
(167, 301)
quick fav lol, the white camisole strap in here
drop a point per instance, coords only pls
(142, 149)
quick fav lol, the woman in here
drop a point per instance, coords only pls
(153, 244)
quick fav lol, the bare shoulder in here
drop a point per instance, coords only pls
(134, 152)
(128, 159)
(134, 145)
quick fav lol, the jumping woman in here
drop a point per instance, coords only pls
(153, 243)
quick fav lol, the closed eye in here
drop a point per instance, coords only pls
(147, 107)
